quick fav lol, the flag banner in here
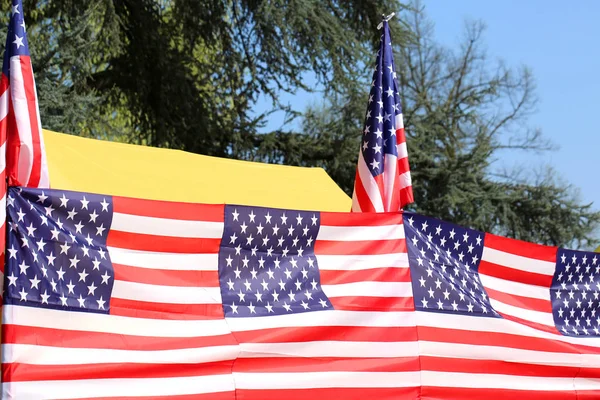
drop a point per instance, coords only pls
(113, 297)
(383, 182)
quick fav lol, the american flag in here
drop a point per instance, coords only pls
(22, 154)
(116, 297)
(383, 181)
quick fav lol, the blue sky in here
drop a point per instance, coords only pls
(558, 41)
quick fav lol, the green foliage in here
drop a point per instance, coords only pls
(461, 111)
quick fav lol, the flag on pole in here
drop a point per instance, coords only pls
(112, 297)
(22, 154)
(20, 125)
(383, 180)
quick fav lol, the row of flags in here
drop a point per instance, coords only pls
(114, 297)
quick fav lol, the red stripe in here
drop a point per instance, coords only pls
(514, 275)
(451, 393)
(16, 372)
(505, 368)
(166, 244)
(202, 396)
(360, 219)
(406, 196)
(169, 209)
(535, 325)
(386, 274)
(330, 393)
(297, 364)
(363, 247)
(336, 333)
(18, 334)
(362, 196)
(13, 147)
(478, 338)
(143, 309)
(166, 277)
(520, 248)
(29, 83)
(521, 301)
(366, 303)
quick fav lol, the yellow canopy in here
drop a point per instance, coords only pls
(98, 166)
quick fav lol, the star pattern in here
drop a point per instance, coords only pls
(444, 261)
(56, 250)
(17, 44)
(384, 113)
(575, 293)
(267, 264)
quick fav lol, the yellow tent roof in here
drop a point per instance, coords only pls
(98, 166)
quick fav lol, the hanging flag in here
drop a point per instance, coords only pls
(383, 180)
(20, 126)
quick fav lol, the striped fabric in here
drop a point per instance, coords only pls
(383, 182)
(165, 334)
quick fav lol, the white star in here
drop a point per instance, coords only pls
(82, 276)
(100, 230)
(269, 307)
(93, 216)
(249, 239)
(72, 214)
(389, 92)
(424, 303)
(252, 309)
(241, 295)
(454, 306)
(377, 148)
(252, 216)
(23, 267)
(248, 285)
(51, 258)
(378, 132)
(275, 229)
(45, 296)
(232, 238)
(237, 273)
(13, 252)
(323, 303)
(268, 218)
(84, 203)
(13, 280)
(374, 164)
(61, 274)
(81, 301)
(101, 303)
(259, 229)
(19, 41)
(304, 305)
(23, 294)
(102, 254)
(53, 283)
(63, 201)
(15, 9)
(44, 220)
(299, 219)
(105, 277)
(275, 295)
(287, 307)
(21, 215)
(30, 229)
(49, 210)
(271, 274)
(314, 220)
(63, 299)
(92, 289)
(70, 286)
(234, 308)
(42, 197)
(104, 205)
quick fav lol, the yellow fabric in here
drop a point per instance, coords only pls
(98, 166)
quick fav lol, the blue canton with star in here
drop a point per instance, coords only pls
(379, 133)
(16, 37)
(267, 263)
(56, 250)
(444, 262)
(575, 293)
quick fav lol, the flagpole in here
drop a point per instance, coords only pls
(385, 18)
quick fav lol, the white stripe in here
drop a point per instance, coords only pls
(498, 325)
(522, 313)
(513, 382)
(518, 262)
(361, 262)
(516, 288)
(166, 226)
(169, 261)
(92, 322)
(4, 99)
(124, 387)
(3, 158)
(47, 355)
(330, 349)
(389, 179)
(399, 122)
(405, 180)
(354, 233)
(166, 294)
(325, 318)
(44, 173)
(3, 211)
(369, 184)
(21, 111)
(507, 354)
(375, 289)
(402, 150)
(329, 379)
(355, 204)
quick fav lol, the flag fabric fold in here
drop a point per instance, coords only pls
(112, 297)
(383, 182)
